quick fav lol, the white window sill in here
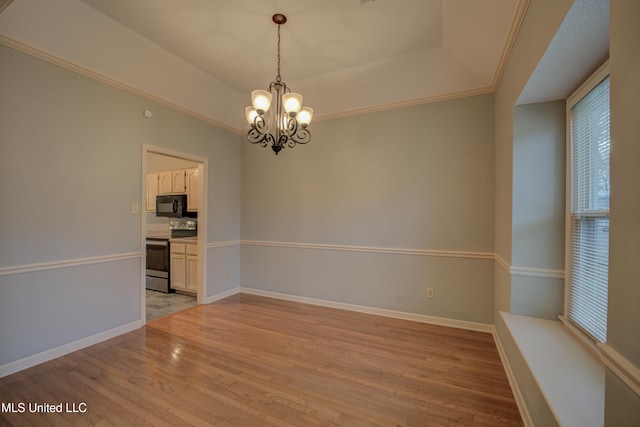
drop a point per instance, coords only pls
(569, 377)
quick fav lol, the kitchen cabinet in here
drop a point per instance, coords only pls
(165, 182)
(192, 183)
(152, 191)
(184, 266)
(172, 182)
(175, 181)
(192, 267)
(179, 181)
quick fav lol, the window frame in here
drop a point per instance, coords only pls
(583, 90)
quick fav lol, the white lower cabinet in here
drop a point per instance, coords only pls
(192, 267)
(184, 266)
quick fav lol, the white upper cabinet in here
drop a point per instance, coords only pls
(165, 182)
(193, 186)
(178, 181)
(152, 191)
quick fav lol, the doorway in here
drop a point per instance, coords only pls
(169, 172)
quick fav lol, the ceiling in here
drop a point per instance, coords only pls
(343, 55)
(204, 57)
(580, 45)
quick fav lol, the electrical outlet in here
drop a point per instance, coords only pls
(430, 293)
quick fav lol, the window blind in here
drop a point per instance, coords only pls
(590, 148)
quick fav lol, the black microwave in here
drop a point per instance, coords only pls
(171, 205)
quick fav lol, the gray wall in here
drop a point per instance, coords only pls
(418, 178)
(537, 248)
(391, 195)
(539, 144)
(71, 166)
(542, 20)
(622, 405)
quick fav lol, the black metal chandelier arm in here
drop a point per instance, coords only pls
(258, 132)
(264, 140)
(255, 137)
(297, 134)
(302, 136)
(284, 140)
(260, 124)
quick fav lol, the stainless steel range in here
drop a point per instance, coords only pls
(158, 262)
(158, 265)
(183, 227)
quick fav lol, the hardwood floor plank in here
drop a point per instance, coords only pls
(249, 360)
(158, 392)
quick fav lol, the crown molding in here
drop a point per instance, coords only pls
(516, 25)
(4, 4)
(405, 104)
(87, 72)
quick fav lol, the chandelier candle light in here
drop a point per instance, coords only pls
(287, 118)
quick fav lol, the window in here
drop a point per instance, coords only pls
(588, 222)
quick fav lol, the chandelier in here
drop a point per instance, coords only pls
(285, 123)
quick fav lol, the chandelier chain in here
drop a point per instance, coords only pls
(278, 78)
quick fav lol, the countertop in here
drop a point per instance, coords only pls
(187, 240)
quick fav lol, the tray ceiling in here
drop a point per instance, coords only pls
(203, 57)
(367, 53)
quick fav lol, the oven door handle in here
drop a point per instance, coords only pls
(157, 243)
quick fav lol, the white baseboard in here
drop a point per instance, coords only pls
(221, 295)
(47, 355)
(422, 318)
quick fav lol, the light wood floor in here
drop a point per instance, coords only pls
(250, 361)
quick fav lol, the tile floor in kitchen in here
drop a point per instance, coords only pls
(160, 304)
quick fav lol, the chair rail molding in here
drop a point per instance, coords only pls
(622, 367)
(51, 265)
(373, 249)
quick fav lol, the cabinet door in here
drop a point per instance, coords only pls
(165, 182)
(178, 271)
(152, 191)
(192, 273)
(191, 249)
(193, 177)
(179, 181)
